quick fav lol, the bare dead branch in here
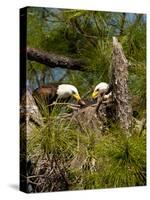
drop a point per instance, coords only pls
(53, 60)
(66, 104)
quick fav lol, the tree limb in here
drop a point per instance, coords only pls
(54, 60)
(67, 104)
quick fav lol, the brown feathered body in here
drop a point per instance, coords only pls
(46, 93)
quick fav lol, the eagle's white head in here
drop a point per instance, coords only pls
(67, 90)
(100, 89)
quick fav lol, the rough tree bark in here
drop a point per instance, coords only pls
(53, 60)
(30, 115)
(119, 81)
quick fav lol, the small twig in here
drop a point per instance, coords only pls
(29, 181)
(67, 104)
(65, 115)
(93, 105)
(74, 108)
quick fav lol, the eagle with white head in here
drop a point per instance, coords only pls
(100, 89)
(53, 92)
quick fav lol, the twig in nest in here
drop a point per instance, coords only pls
(94, 105)
(67, 104)
(73, 108)
(65, 115)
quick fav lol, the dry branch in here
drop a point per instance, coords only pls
(53, 60)
(69, 105)
(65, 104)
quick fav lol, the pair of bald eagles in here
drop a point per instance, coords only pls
(53, 92)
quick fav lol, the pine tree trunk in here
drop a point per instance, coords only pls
(122, 107)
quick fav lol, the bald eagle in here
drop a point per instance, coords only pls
(102, 89)
(56, 92)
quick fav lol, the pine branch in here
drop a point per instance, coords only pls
(53, 60)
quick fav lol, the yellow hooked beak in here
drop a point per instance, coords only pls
(77, 96)
(95, 94)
